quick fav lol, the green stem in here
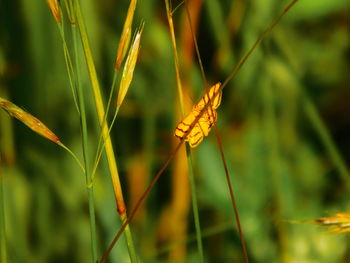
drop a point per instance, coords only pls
(69, 65)
(188, 151)
(130, 243)
(112, 164)
(73, 155)
(99, 147)
(3, 251)
(195, 204)
(88, 173)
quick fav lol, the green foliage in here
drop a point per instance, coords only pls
(283, 122)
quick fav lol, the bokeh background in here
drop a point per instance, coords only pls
(284, 122)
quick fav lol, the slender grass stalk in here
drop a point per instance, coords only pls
(73, 155)
(88, 174)
(176, 59)
(75, 84)
(100, 108)
(69, 66)
(195, 204)
(3, 243)
(218, 138)
(188, 150)
(105, 131)
(100, 147)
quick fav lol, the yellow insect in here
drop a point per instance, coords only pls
(205, 122)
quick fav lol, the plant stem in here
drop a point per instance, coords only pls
(100, 146)
(73, 155)
(69, 65)
(188, 150)
(88, 174)
(3, 248)
(228, 179)
(194, 204)
(112, 164)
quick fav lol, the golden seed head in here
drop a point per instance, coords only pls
(340, 223)
(126, 35)
(55, 10)
(129, 67)
(29, 120)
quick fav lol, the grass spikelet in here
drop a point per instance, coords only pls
(55, 10)
(126, 35)
(129, 67)
(340, 223)
(29, 120)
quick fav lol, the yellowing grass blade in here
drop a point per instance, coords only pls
(129, 67)
(29, 120)
(126, 35)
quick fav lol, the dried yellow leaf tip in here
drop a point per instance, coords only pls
(55, 10)
(340, 223)
(126, 35)
(129, 67)
(29, 120)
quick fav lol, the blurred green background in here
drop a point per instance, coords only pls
(284, 123)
